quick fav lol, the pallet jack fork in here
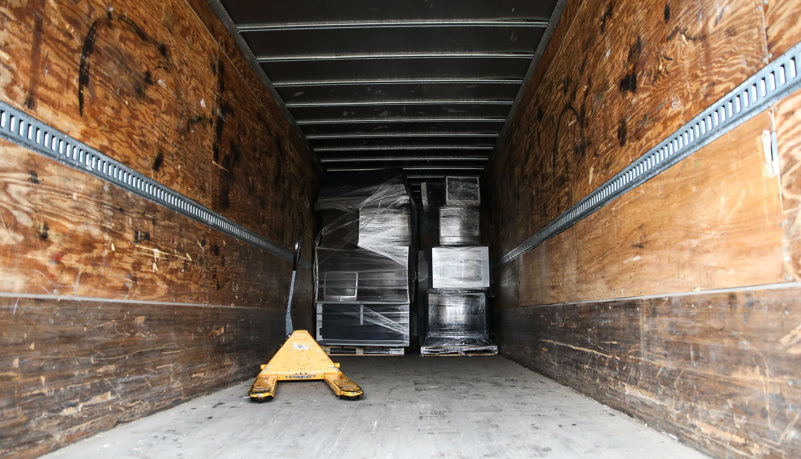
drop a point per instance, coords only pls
(300, 359)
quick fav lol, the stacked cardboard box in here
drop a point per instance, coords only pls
(363, 272)
(459, 276)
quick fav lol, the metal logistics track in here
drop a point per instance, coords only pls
(775, 81)
(24, 130)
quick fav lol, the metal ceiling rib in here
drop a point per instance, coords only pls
(422, 85)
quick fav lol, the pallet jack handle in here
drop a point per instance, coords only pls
(295, 260)
(300, 359)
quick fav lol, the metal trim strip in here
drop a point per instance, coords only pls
(770, 84)
(416, 168)
(393, 81)
(401, 135)
(379, 102)
(421, 119)
(362, 159)
(390, 56)
(388, 24)
(403, 147)
(27, 131)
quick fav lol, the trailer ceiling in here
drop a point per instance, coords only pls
(423, 85)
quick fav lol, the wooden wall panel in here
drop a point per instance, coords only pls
(782, 26)
(75, 367)
(706, 233)
(256, 173)
(67, 233)
(718, 370)
(133, 80)
(112, 307)
(788, 134)
(149, 86)
(627, 75)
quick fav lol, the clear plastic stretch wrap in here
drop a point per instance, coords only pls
(365, 258)
(462, 191)
(375, 218)
(363, 324)
(459, 225)
(348, 275)
(457, 314)
(389, 194)
(460, 267)
(457, 323)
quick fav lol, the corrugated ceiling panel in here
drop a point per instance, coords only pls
(423, 85)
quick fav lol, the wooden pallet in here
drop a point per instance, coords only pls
(371, 351)
(456, 351)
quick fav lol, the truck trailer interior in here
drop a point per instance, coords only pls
(633, 177)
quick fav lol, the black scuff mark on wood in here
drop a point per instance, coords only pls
(157, 163)
(229, 163)
(141, 236)
(635, 51)
(629, 82)
(44, 231)
(191, 123)
(573, 125)
(89, 47)
(667, 12)
(622, 133)
(36, 53)
(672, 33)
(223, 110)
(279, 150)
(83, 72)
(693, 38)
(607, 15)
(33, 177)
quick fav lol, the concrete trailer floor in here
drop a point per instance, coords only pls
(413, 407)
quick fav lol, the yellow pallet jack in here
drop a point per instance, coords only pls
(300, 359)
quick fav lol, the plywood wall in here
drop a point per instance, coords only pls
(678, 302)
(112, 307)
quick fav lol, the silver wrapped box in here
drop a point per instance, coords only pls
(460, 267)
(459, 225)
(457, 314)
(382, 226)
(363, 324)
(362, 275)
(462, 191)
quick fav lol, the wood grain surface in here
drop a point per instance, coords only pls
(149, 85)
(626, 75)
(72, 368)
(788, 137)
(687, 229)
(114, 307)
(615, 306)
(718, 370)
(782, 26)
